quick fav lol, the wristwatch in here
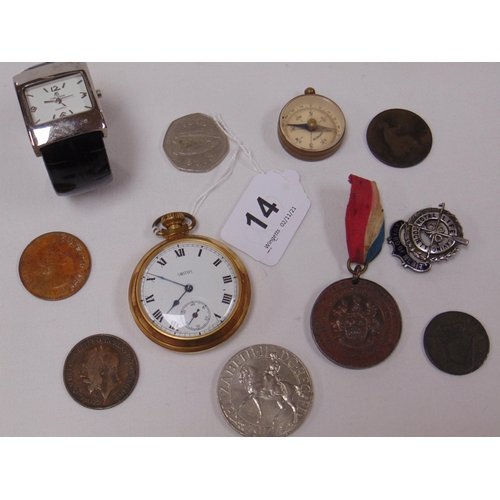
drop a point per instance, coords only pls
(65, 125)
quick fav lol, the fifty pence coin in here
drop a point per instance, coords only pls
(430, 235)
(456, 343)
(399, 138)
(101, 371)
(195, 143)
(356, 325)
(265, 390)
(54, 266)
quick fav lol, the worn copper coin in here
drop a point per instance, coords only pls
(456, 343)
(54, 266)
(356, 325)
(265, 390)
(101, 371)
(195, 143)
(399, 138)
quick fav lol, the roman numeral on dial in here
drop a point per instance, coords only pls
(158, 315)
(226, 299)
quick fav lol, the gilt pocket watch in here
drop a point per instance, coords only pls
(311, 127)
(189, 293)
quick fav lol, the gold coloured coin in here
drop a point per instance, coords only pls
(54, 266)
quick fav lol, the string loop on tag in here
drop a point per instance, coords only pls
(230, 166)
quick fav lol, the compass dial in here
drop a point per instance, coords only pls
(311, 126)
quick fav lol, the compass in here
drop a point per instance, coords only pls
(311, 127)
(430, 235)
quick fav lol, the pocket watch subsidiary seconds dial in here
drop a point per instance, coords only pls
(311, 127)
(189, 293)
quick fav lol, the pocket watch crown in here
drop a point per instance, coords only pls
(175, 225)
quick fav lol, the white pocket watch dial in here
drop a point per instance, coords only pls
(189, 289)
(189, 293)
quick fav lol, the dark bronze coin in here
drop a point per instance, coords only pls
(100, 371)
(456, 343)
(399, 138)
(54, 266)
(356, 325)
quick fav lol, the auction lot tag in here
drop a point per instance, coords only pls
(267, 216)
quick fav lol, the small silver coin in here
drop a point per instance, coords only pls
(195, 143)
(265, 390)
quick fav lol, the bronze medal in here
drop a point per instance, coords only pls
(101, 371)
(356, 325)
(54, 266)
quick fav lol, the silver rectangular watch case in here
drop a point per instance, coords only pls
(60, 128)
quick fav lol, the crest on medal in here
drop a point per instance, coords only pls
(430, 235)
(355, 323)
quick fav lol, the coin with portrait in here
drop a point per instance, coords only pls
(54, 266)
(399, 138)
(101, 371)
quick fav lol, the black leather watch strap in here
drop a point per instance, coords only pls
(77, 164)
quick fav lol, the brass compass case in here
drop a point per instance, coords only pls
(189, 293)
(311, 127)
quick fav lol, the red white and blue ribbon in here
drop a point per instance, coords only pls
(364, 221)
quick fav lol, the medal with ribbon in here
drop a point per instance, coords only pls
(356, 323)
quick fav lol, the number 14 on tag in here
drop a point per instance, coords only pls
(267, 216)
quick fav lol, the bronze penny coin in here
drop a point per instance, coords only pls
(456, 343)
(356, 325)
(54, 266)
(399, 138)
(101, 371)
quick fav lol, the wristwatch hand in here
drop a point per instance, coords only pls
(58, 100)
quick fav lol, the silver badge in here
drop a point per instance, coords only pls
(430, 235)
(195, 143)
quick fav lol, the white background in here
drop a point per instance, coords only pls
(263, 31)
(176, 393)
